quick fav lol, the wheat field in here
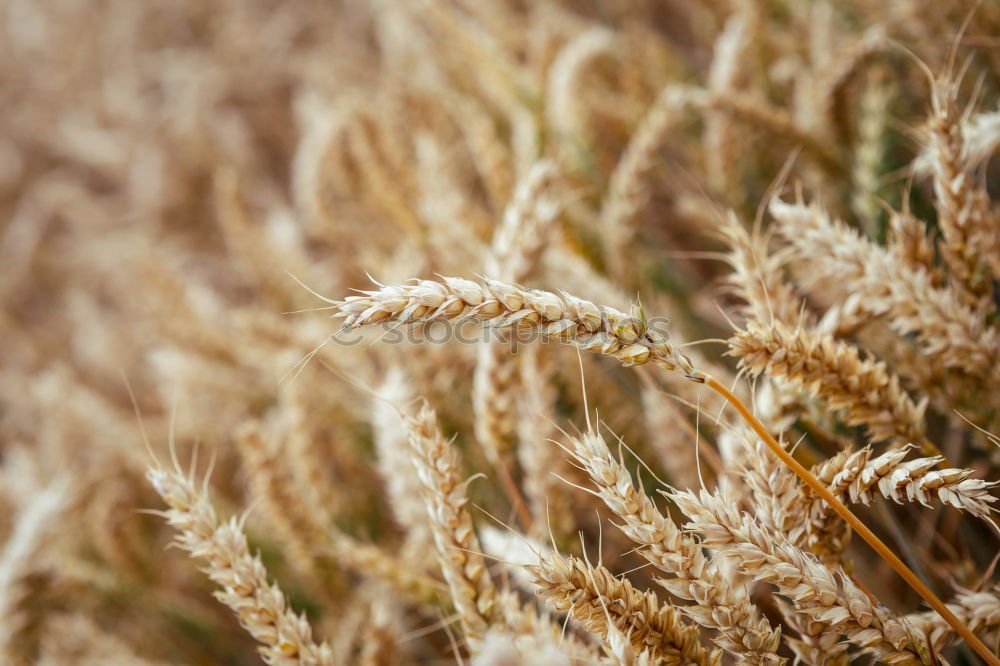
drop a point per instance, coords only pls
(499, 332)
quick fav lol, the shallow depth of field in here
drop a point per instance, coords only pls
(398, 332)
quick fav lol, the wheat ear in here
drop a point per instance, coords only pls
(34, 527)
(859, 476)
(551, 506)
(595, 597)
(594, 328)
(590, 327)
(629, 184)
(391, 438)
(980, 610)
(817, 644)
(909, 242)
(757, 278)
(963, 209)
(283, 509)
(517, 244)
(949, 333)
(742, 630)
(720, 140)
(462, 562)
(262, 609)
(821, 594)
(77, 639)
(314, 546)
(834, 371)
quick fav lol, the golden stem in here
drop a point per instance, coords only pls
(859, 527)
(514, 495)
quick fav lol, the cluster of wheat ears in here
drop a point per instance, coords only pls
(767, 230)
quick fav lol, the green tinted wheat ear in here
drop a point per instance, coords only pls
(590, 327)
(262, 609)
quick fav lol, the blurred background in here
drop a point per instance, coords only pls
(165, 164)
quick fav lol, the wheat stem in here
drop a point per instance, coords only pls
(857, 525)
